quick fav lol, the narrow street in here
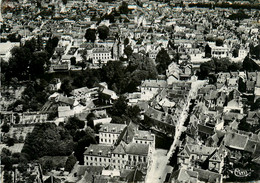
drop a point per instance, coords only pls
(159, 168)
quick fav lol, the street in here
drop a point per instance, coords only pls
(160, 158)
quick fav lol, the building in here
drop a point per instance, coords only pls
(65, 111)
(109, 133)
(100, 56)
(149, 88)
(219, 51)
(144, 137)
(123, 156)
(128, 156)
(98, 155)
(199, 153)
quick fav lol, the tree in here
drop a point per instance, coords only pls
(39, 64)
(219, 42)
(30, 44)
(72, 60)
(84, 142)
(70, 163)
(103, 32)
(48, 165)
(5, 128)
(119, 107)
(66, 86)
(124, 8)
(14, 38)
(64, 2)
(128, 51)
(10, 142)
(51, 44)
(162, 60)
(126, 41)
(47, 139)
(74, 124)
(255, 105)
(19, 62)
(39, 43)
(207, 51)
(8, 177)
(22, 167)
(90, 35)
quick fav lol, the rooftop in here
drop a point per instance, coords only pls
(98, 150)
(112, 128)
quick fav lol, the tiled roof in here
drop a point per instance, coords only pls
(100, 50)
(183, 175)
(200, 149)
(207, 176)
(66, 100)
(205, 129)
(112, 128)
(98, 150)
(154, 83)
(143, 135)
(137, 149)
(235, 140)
(120, 149)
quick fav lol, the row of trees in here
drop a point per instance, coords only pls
(103, 32)
(29, 61)
(216, 65)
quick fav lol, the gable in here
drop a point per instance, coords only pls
(215, 157)
(184, 154)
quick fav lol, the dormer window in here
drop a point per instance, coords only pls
(91, 151)
(99, 152)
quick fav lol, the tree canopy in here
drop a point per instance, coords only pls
(47, 139)
(26, 62)
(124, 8)
(216, 65)
(162, 60)
(90, 35)
(128, 51)
(103, 32)
(73, 124)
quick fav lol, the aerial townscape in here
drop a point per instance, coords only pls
(133, 91)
